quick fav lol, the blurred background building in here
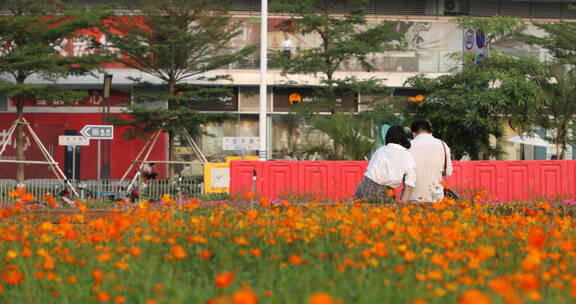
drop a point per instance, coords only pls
(425, 24)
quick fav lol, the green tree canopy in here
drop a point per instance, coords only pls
(470, 106)
(176, 41)
(342, 38)
(30, 38)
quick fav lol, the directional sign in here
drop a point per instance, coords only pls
(73, 140)
(240, 143)
(98, 131)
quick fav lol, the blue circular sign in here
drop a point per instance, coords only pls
(480, 40)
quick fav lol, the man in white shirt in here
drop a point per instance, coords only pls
(432, 155)
(286, 45)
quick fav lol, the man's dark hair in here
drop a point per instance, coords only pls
(421, 125)
(397, 135)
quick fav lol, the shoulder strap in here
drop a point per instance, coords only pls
(445, 159)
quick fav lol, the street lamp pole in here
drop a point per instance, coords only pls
(262, 154)
(106, 155)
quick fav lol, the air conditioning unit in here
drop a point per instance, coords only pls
(452, 7)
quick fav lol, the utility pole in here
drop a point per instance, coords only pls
(262, 154)
(105, 156)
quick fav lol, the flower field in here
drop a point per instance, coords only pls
(447, 252)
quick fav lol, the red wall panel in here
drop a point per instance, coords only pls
(485, 176)
(241, 173)
(549, 178)
(348, 176)
(280, 179)
(518, 179)
(503, 180)
(316, 178)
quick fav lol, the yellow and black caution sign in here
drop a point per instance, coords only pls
(294, 98)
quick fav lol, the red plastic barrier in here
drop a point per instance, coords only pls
(503, 180)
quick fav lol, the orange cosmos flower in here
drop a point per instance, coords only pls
(119, 300)
(244, 296)
(98, 275)
(321, 298)
(264, 202)
(241, 241)
(531, 261)
(390, 192)
(537, 238)
(27, 197)
(72, 279)
(380, 250)
(409, 256)
(256, 252)
(205, 254)
(12, 275)
(296, 259)
(249, 195)
(178, 252)
(16, 192)
(50, 200)
(103, 297)
(105, 257)
(224, 279)
(122, 265)
(474, 296)
(135, 251)
(529, 281)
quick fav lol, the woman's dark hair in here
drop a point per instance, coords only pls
(397, 135)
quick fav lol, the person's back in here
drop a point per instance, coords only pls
(390, 166)
(430, 155)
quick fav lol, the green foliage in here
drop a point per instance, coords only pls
(470, 106)
(560, 40)
(559, 87)
(145, 119)
(176, 41)
(495, 28)
(348, 131)
(30, 37)
(559, 112)
(342, 38)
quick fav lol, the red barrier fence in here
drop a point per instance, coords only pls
(503, 180)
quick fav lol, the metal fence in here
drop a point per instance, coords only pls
(107, 189)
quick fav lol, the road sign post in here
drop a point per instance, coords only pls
(101, 132)
(74, 141)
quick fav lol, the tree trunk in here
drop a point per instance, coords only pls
(19, 141)
(171, 134)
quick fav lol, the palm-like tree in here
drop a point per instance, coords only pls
(560, 106)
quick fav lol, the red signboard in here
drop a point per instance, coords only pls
(49, 126)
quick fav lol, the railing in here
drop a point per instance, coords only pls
(107, 189)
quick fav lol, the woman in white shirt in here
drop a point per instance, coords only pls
(390, 166)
